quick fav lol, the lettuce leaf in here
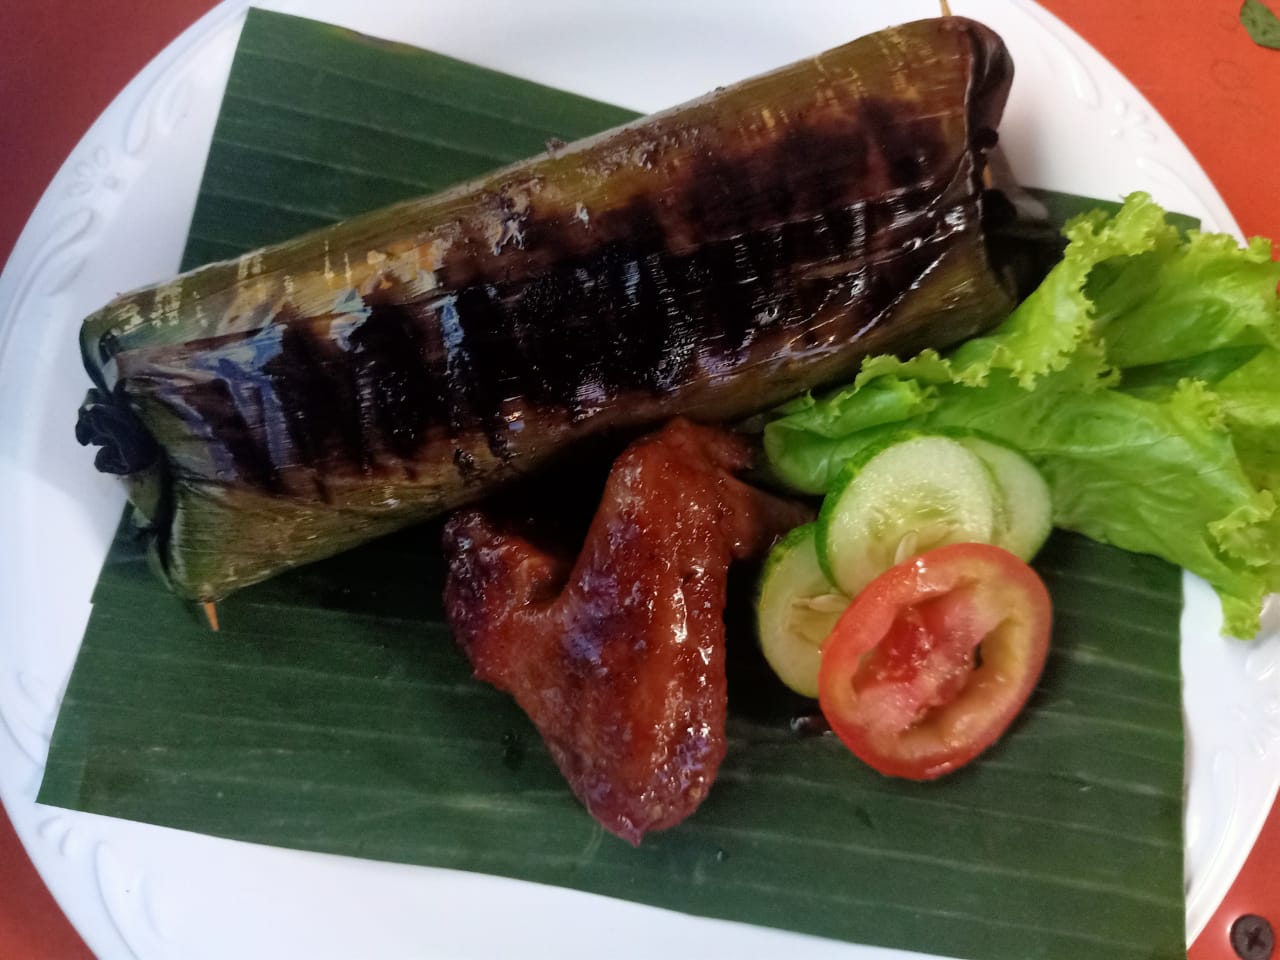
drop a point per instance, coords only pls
(1248, 396)
(1143, 379)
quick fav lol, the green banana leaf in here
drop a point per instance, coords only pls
(337, 688)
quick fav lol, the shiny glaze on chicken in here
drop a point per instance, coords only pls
(618, 657)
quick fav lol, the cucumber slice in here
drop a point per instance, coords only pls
(899, 500)
(795, 610)
(1025, 517)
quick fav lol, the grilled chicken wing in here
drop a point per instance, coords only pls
(618, 658)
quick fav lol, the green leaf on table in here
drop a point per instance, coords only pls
(1263, 25)
(333, 711)
(319, 124)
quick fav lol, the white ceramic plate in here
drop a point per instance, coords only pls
(115, 217)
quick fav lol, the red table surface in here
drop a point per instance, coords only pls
(65, 60)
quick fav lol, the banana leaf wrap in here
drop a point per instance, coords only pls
(711, 260)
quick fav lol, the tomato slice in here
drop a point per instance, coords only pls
(933, 659)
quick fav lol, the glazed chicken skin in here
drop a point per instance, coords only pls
(618, 658)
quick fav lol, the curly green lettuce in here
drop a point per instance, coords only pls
(1143, 379)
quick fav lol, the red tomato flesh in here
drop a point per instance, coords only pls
(931, 662)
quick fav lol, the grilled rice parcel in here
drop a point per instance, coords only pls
(711, 261)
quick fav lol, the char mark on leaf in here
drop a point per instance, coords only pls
(399, 375)
(318, 395)
(497, 374)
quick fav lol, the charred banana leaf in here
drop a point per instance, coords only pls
(711, 260)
